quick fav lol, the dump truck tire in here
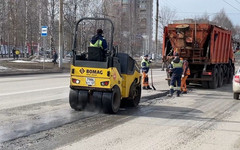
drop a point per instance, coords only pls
(97, 99)
(214, 83)
(230, 75)
(82, 99)
(205, 84)
(225, 74)
(111, 100)
(236, 96)
(73, 99)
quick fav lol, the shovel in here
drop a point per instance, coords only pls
(152, 81)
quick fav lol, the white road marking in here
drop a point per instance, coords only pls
(36, 90)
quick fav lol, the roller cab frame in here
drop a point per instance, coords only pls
(103, 83)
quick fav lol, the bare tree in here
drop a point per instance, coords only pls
(2, 22)
(166, 16)
(221, 19)
(26, 27)
(74, 10)
(203, 19)
(21, 21)
(53, 11)
(236, 34)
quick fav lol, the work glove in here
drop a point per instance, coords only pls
(108, 51)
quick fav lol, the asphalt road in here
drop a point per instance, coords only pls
(35, 114)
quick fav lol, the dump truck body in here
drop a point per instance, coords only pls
(207, 48)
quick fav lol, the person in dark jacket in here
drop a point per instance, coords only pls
(14, 52)
(55, 57)
(99, 41)
(176, 68)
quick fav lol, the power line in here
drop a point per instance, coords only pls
(237, 1)
(232, 6)
(170, 4)
(167, 3)
(203, 12)
(177, 8)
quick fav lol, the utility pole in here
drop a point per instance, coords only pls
(26, 29)
(60, 33)
(156, 37)
(40, 28)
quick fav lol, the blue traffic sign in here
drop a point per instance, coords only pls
(44, 30)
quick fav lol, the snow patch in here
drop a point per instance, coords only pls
(22, 61)
(42, 60)
(3, 68)
(50, 60)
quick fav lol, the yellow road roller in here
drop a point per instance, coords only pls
(103, 81)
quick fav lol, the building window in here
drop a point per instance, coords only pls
(124, 9)
(143, 6)
(125, 1)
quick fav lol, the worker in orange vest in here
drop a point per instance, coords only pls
(186, 73)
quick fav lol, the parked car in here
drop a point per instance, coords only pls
(236, 85)
(69, 55)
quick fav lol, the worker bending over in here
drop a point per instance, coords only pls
(186, 73)
(145, 68)
(176, 68)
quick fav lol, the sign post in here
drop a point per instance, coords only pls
(44, 34)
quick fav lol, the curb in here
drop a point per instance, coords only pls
(28, 73)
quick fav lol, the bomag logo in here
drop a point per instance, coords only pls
(90, 71)
(82, 71)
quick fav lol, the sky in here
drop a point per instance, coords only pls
(195, 8)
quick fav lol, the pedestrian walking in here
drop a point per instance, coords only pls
(55, 57)
(17, 53)
(14, 52)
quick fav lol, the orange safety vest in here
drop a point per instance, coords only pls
(188, 71)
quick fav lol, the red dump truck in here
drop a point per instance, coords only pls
(207, 48)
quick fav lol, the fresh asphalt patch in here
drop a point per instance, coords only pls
(24, 121)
